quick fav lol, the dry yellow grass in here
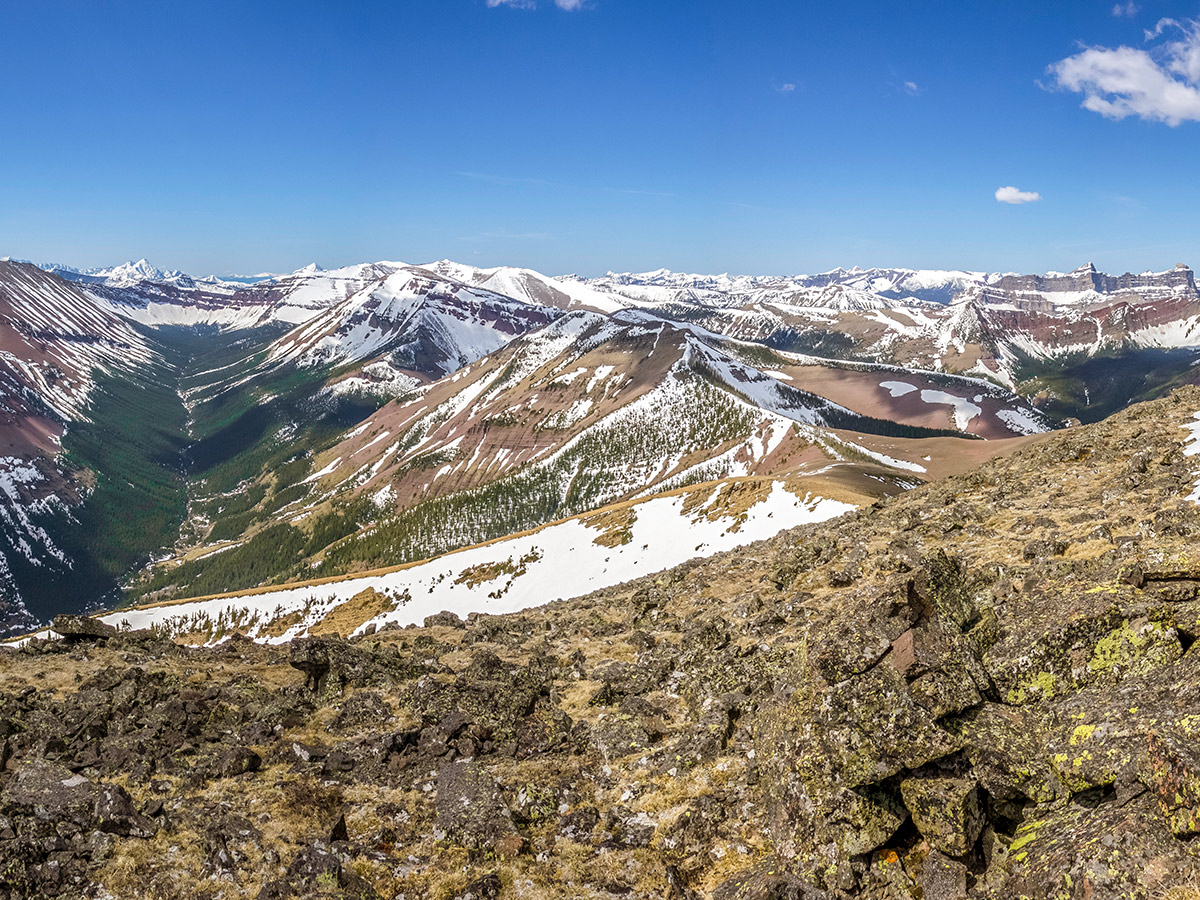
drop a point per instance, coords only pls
(346, 617)
(615, 526)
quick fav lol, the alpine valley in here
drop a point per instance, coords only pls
(166, 437)
(440, 582)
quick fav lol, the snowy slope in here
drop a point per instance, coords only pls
(300, 296)
(56, 342)
(560, 561)
(531, 287)
(55, 336)
(427, 322)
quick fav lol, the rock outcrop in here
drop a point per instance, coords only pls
(985, 688)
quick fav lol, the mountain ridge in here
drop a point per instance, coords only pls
(309, 356)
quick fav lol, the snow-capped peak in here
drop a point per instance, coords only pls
(132, 273)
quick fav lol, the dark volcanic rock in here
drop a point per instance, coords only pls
(471, 811)
(81, 628)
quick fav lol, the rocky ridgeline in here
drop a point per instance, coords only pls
(1086, 278)
(984, 688)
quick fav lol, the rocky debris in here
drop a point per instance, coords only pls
(237, 761)
(319, 870)
(946, 811)
(55, 825)
(490, 707)
(55, 793)
(471, 811)
(312, 657)
(445, 618)
(331, 665)
(81, 628)
(486, 888)
(903, 705)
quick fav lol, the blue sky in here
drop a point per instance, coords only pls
(706, 136)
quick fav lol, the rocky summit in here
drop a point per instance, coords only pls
(983, 688)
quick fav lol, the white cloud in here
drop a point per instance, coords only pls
(788, 88)
(1158, 84)
(569, 5)
(910, 87)
(1126, 10)
(1013, 195)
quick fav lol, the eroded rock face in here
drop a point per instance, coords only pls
(987, 688)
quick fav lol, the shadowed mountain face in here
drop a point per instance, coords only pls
(322, 422)
(983, 687)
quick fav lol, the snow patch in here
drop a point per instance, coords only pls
(1192, 448)
(898, 388)
(964, 409)
(1020, 421)
(558, 561)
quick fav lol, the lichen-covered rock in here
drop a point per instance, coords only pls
(1072, 850)
(767, 881)
(1006, 748)
(1172, 772)
(237, 761)
(115, 813)
(828, 760)
(943, 878)
(578, 824)
(944, 674)
(488, 887)
(471, 811)
(947, 811)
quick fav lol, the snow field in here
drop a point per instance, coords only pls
(558, 561)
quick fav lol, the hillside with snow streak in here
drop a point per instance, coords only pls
(588, 411)
(556, 562)
(57, 346)
(424, 322)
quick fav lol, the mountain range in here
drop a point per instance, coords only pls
(166, 436)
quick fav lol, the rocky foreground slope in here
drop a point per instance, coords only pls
(985, 687)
